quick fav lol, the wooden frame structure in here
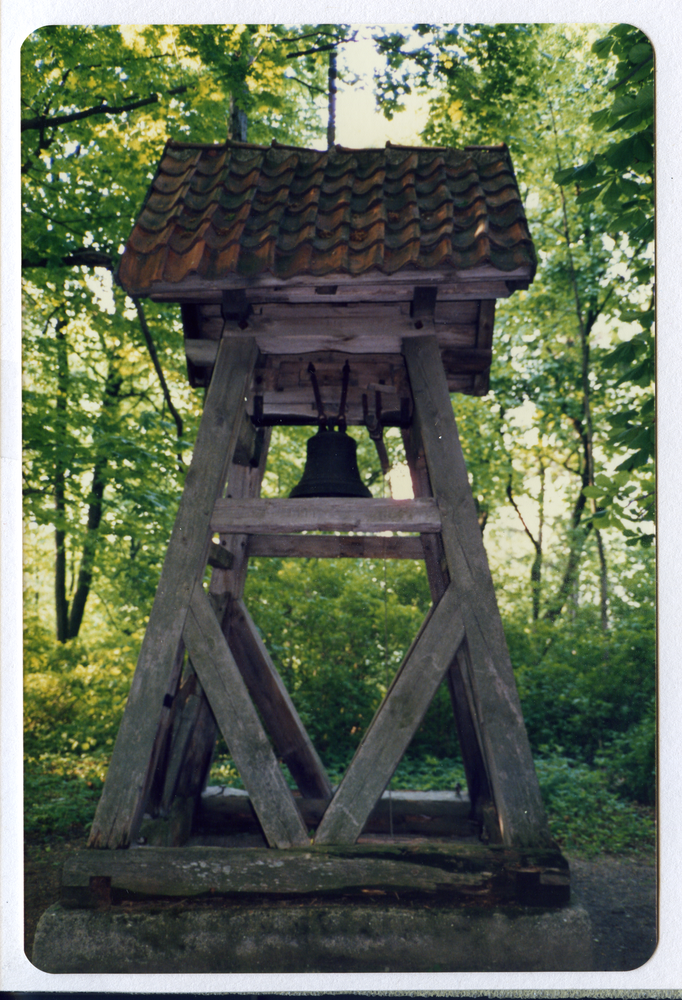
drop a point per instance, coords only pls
(412, 335)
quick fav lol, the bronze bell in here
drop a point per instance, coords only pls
(331, 468)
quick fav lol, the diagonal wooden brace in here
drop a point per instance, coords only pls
(394, 724)
(239, 723)
(274, 703)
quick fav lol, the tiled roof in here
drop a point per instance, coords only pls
(241, 210)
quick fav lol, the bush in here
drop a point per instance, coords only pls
(591, 693)
(586, 814)
(630, 760)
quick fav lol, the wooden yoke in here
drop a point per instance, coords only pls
(500, 725)
(147, 713)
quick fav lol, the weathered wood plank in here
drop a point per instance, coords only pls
(255, 517)
(249, 746)
(447, 280)
(281, 372)
(507, 752)
(182, 735)
(394, 725)
(121, 805)
(223, 810)
(463, 706)
(336, 546)
(353, 338)
(439, 871)
(486, 324)
(484, 339)
(219, 557)
(198, 752)
(274, 703)
(454, 312)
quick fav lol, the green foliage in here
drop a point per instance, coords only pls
(74, 694)
(337, 631)
(106, 433)
(621, 175)
(586, 815)
(584, 690)
(630, 759)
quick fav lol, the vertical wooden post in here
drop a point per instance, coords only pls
(506, 749)
(132, 764)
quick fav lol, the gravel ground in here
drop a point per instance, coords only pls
(619, 894)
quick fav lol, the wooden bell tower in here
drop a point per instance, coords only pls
(390, 260)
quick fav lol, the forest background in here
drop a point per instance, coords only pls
(560, 453)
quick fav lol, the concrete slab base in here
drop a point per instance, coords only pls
(317, 937)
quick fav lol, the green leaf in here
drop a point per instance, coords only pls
(602, 47)
(589, 195)
(645, 98)
(638, 53)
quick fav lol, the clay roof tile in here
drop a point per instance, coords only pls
(237, 209)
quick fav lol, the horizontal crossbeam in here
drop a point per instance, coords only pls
(257, 517)
(336, 546)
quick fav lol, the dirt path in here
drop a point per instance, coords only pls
(619, 894)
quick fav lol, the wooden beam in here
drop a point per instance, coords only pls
(255, 517)
(484, 341)
(196, 755)
(360, 337)
(394, 725)
(122, 803)
(463, 706)
(437, 871)
(270, 288)
(277, 710)
(239, 723)
(507, 752)
(336, 546)
(183, 731)
(432, 813)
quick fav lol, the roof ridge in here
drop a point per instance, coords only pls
(492, 147)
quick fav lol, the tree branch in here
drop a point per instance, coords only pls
(79, 258)
(635, 69)
(512, 501)
(151, 347)
(47, 121)
(309, 52)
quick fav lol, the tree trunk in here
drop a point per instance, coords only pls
(99, 480)
(61, 602)
(575, 550)
(603, 582)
